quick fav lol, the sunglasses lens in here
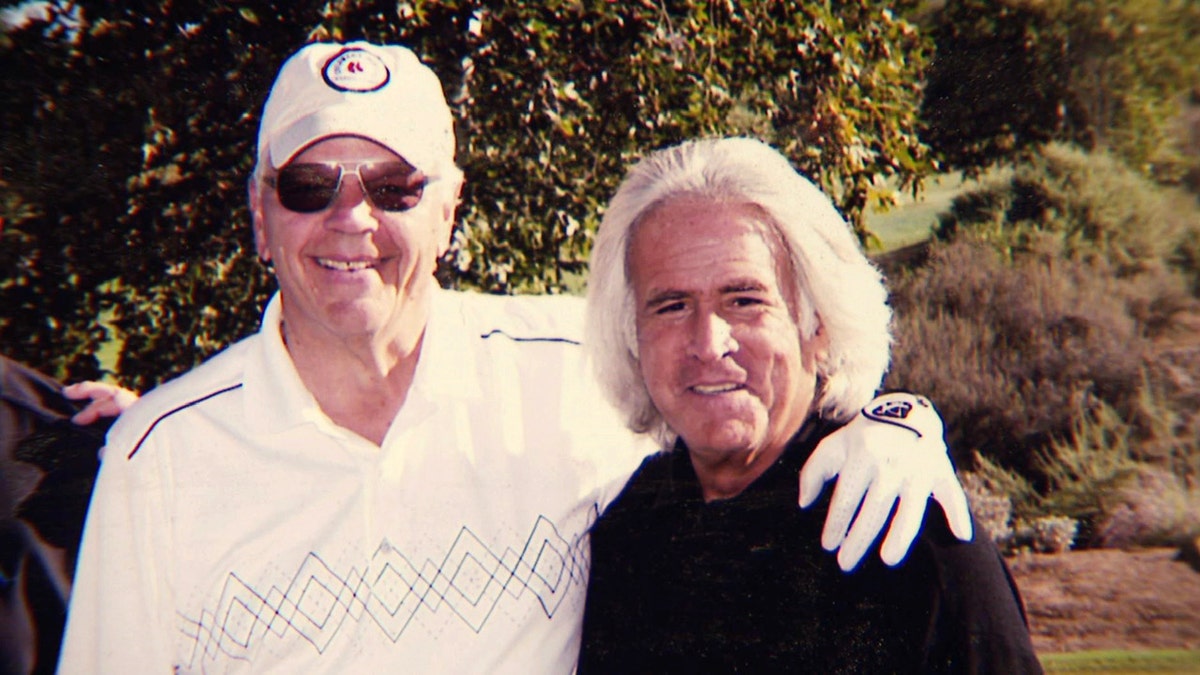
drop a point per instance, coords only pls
(393, 186)
(307, 188)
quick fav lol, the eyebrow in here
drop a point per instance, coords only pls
(743, 285)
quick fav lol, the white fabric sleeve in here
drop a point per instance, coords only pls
(117, 620)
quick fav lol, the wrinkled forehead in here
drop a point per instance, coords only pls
(751, 214)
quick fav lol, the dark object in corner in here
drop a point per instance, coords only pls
(1189, 552)
(47, 468)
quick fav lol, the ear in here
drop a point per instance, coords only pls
(815, 350)
(257, 220)
(449, 208)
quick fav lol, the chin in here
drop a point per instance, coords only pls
(728, 444)
(349, 323)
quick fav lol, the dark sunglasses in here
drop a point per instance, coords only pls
(388, 185)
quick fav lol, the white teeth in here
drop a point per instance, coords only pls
(345, 265)
(715, 388)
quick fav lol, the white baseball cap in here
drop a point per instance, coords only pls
(379, 92)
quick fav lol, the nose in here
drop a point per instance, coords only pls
(712, 337)
(350, 211)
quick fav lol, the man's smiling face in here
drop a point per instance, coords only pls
(719, 348)
(352, 269)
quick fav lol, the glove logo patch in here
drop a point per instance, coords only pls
(892, 412)
(896, 410)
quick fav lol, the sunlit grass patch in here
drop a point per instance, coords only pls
(1123, 662)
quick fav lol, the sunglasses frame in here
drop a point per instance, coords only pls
(356, 168)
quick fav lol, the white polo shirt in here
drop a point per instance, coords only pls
(235, 528)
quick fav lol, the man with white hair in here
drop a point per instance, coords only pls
(387, 476)
(732, 313)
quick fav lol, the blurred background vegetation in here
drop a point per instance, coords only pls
(1026, 171)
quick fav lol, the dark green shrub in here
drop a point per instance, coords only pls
(1074, 204)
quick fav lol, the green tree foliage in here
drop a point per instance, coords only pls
(998, 83)
(128, 134)
(1107, 74)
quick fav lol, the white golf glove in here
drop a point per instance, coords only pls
(894, 449)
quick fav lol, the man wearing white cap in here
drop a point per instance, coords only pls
(387, 476)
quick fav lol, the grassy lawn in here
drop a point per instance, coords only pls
(1125, 663)
(912, 220)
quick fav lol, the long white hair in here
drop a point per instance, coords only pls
(834, 286)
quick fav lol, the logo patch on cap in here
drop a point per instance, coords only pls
(356, 70)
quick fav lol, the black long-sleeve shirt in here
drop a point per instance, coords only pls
(742, 585)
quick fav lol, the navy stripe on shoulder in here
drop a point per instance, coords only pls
(498, 331)
(185, 406)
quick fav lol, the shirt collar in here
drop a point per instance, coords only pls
(799, 447)
(276, 398)
(447, 367)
